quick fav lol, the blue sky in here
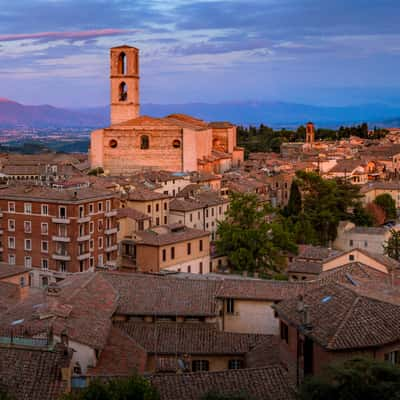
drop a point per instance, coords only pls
(329, 52)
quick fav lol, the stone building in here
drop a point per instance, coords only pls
(175, 143)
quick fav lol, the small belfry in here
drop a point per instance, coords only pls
(310, 133)
(124, 80)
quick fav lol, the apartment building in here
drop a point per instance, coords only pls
(58, 231)
(173, 247)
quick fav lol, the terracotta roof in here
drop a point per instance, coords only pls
(196, 297)
(121, 356)
(269, 383)
(145, 195)
(128, 212)
(190, 338)
(185, 205)
(347, 317)
(20, 191)
(317, 253)
(221, 125)
(168, 234)
(33, 373)
(306, 267)
(7, 270)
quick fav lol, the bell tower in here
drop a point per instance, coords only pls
(310, 133)
(124, 80)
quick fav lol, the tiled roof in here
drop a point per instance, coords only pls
(121, 356)
(317, 253)
(39, 193)
(190, 338)
(306, 267)
(269, 383)
(145, 195)
(168, 296)
(128, 212)
(168, 234)
(7, 270)
(9, 295)
(33, 373)
(185, 205)
(347, 317)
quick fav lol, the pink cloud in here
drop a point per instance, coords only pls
(66, 35)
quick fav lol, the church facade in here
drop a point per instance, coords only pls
(176, 142)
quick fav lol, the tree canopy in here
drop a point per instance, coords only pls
(392, 245)
(132, 388)
(357, 379)
(249, 240)
(387, 203)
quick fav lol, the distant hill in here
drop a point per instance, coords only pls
(275, 114)
(13, 114)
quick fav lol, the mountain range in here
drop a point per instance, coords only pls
(275, 114)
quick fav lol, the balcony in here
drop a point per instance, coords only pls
(60, 220)
(111, 213)
(83, 256)
(61, 256)
(83, 238)
(110, 231)
(64, 239)
(82, 220)
(114, 247)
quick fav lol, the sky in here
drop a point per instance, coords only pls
(321, 52)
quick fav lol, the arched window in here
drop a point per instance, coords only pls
(123, 91)
(144, 142)
(176, 144)
(122, 63)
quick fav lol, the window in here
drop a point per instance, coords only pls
(235, 364)
(220, 210)
(100, 206)
(365, 243)
(91, 244)
(176, 144)
(27, 226)
(351, 243)
(158, 221)
(44, 228)
(27, 208)
(157, 207)
(11, 207)
(212, 211)
(81, 211)
(22, 282)
(144, 142)
(140, 226)
(100, 225)
(28, 245)
(121, 65)
(45, 209)
(172, 253)
(164, 255)
(62, 212)
(189, 269)
(189, 248)
(11, 259)
(392, 357)
(123, 91)
(45, 281)
(11, 242)
(351, 257)
(45, 246)
(230, 306)
(63, 266)
(200, 365)
(91, 227)
(91, 208)
(44, 263)
(82, 230)
(28, 262)
(165, 205)
(201, 245)
(91, 262)
(284, 332)
(11, 225)
(100, 242)
(198, 215)
(113, 143)
(149, 208)
(165, 220)
(191, 217)
(100, 259)
(108, 205)
(201, 267)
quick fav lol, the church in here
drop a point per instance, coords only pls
(177, 142)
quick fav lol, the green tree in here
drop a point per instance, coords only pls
(294, 206)
(388, 204)
(392, 246)
(132, 388)
(4, 395)
(362, 216)
(213, 395)
(249, 240)
(357, 379)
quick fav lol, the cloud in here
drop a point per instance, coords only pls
(76, 35)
